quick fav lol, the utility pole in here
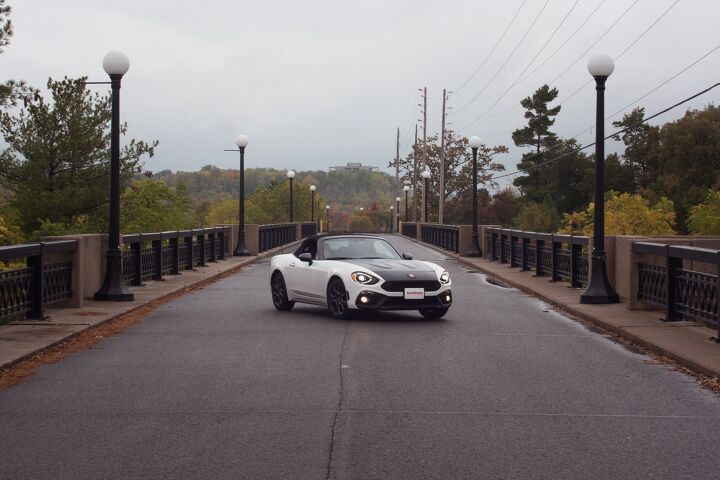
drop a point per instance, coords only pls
(414, 177)
(397, 159)
(424, 152)
(441, 192)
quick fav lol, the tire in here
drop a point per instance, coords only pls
(434, 313)
(279, 293)
(337, 299)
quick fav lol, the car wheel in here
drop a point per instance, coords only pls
(279, 293)
(337, 299)
(433, 313)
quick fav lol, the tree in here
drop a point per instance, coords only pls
(9, 234)
(151, 206)
(57, 159)
(501, 209)
(690, 159)
(642, 148)
(625, 214)
(458, 169)
(537, 184)
(704, 219)
(11, 90)
(538, 217)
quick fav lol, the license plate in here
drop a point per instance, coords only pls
(414, 293)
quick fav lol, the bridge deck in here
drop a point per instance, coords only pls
(217, 384)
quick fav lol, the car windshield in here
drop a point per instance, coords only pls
(344, 248)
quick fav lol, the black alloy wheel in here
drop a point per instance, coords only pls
(337, 299)
(434, 313)
(279, 293)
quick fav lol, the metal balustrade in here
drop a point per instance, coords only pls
(272, 236)
(24, 291)
(685, 284)
(409, 230)
(150, 256)
(560, 257)
(446, 237)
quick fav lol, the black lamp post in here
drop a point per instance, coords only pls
(291, 175)
(397, 214)
(426, 175)
(327, 218)
(241, 250)
(406, 189)
(115, 64)
(474, 249)
(599, 289)
(312, 203)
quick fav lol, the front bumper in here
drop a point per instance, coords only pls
(379, 301)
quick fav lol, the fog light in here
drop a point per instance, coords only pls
(447, 298)
(364, 299)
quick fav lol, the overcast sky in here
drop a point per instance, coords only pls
(322, 83)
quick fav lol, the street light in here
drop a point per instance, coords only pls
(312, 203)
(115, 64)
(426, 175)
(474, 250)
(291, 175)
(599, 289)
(397, 214)
(327, 217)
(241, 250)
(406, 189)
(391, 218)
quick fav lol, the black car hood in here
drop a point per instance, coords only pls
(396, 269)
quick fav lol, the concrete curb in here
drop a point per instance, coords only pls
(231, 270)
(619, 330)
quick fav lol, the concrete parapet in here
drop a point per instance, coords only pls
(252, 238)
(88, 265)
(464, 237)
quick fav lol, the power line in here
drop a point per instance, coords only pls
(508, 58)
(534, 58)
(493, 49)
(563, 72)
(585, 147)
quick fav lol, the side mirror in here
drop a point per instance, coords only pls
(306, 257)
(406, 256)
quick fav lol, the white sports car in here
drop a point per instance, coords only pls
(358, 272)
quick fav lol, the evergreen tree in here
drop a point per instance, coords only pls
(537, 135)
(11, 91)
(57, 159)
(642, 148)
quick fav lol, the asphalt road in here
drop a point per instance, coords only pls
(219, 385)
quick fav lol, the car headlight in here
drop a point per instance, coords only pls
(445, 278)
(364, 278)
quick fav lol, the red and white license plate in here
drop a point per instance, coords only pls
(414, 293)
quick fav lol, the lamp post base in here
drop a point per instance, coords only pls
(599, 290)
(241, 250)
(474, 250)
(113, 287)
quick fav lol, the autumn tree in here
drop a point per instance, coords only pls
(151, 206)
(625, 214)
(704, 219)
(56, 162)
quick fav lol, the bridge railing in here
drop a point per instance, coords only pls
(560, 257)
(680, 279)
(446, 237)
(34, 275)
(150, 256)
(408, 229)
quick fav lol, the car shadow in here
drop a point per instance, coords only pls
(386, 317)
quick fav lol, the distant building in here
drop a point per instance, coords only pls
(353, 167)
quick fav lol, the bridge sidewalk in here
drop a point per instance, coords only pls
(688, 343)
(22, 339)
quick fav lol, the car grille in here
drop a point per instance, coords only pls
(400, 286)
